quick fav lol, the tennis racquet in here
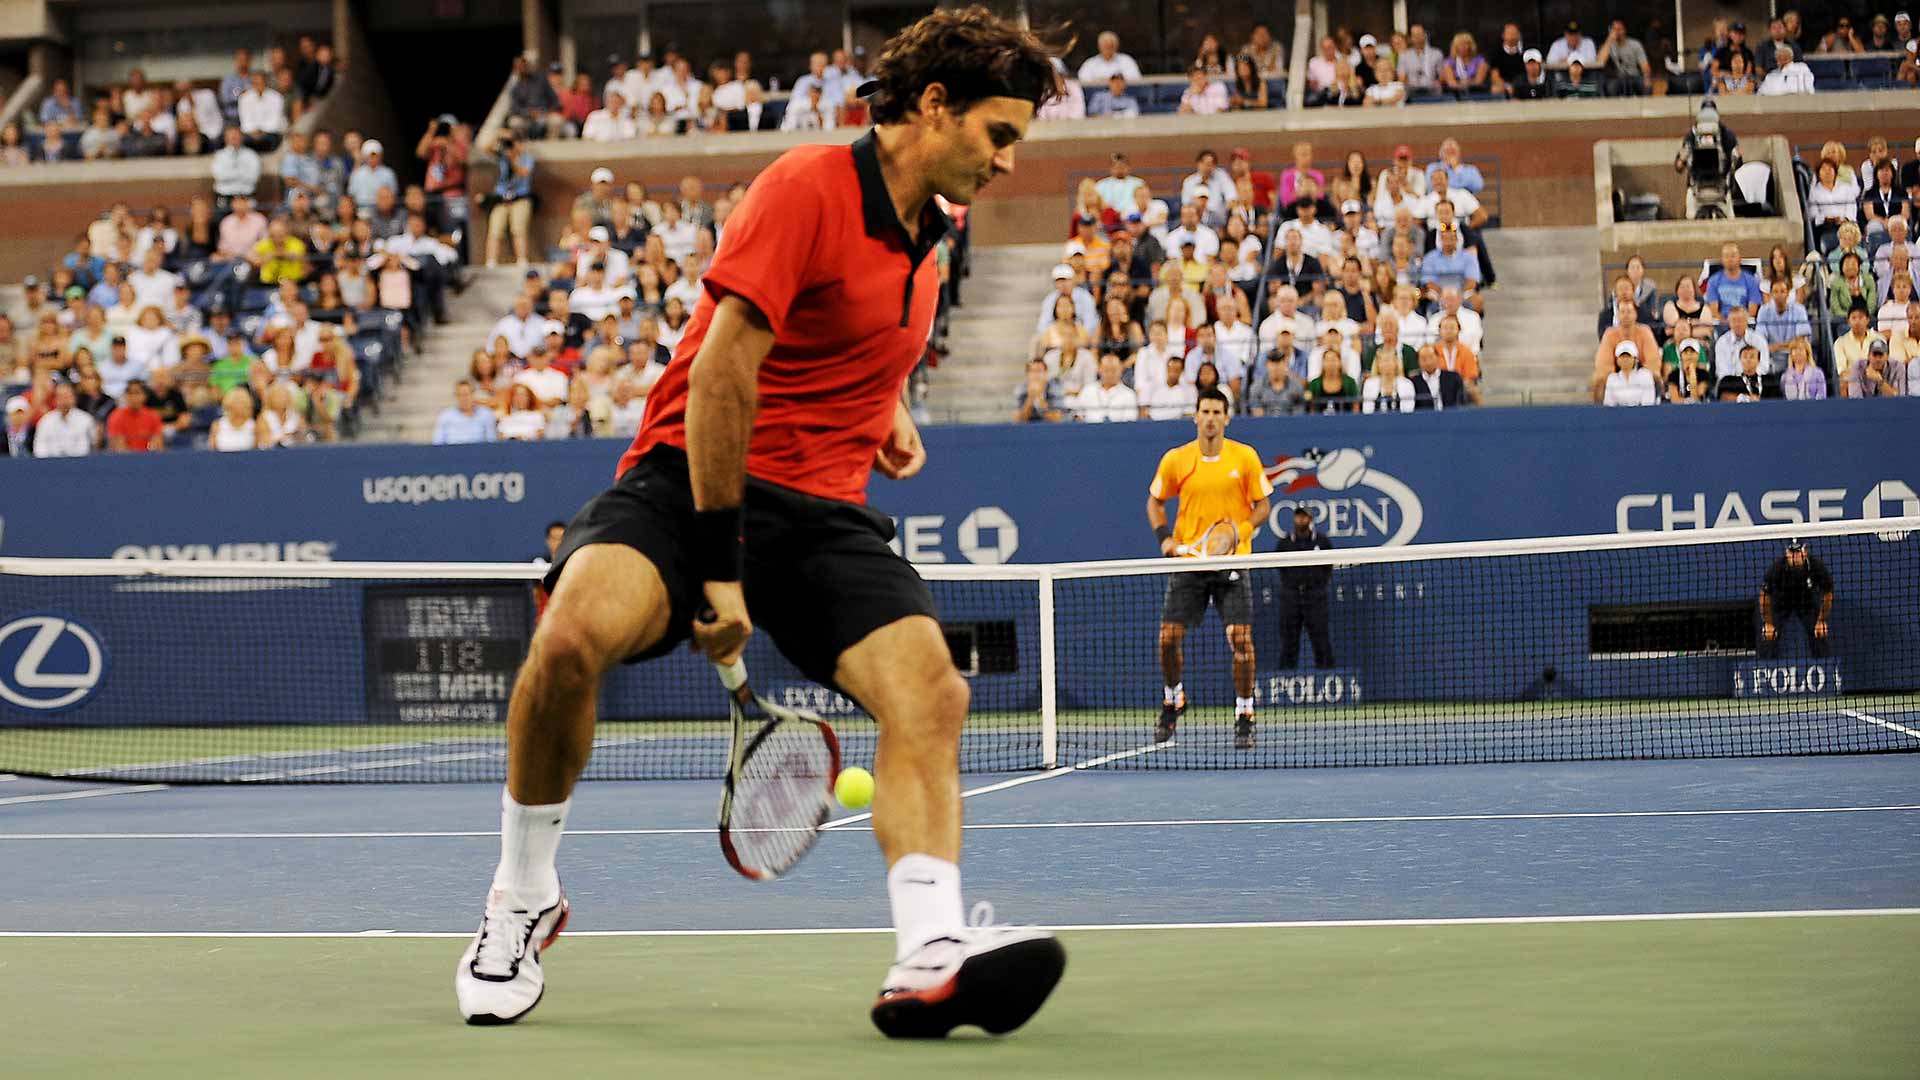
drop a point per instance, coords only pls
(1221, 538)
(779, 786)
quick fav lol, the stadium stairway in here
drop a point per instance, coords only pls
(1540, 317)
(408, 415)
(989, 333)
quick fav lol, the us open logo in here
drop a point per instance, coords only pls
(49, 663)
(1347, 497)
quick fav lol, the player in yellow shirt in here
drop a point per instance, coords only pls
(1216, 480)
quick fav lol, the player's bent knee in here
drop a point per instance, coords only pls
(1172, 634)
(563, 655)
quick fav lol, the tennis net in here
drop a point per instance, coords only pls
(1633, 646)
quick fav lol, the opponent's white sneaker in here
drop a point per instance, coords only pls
(499, 979)
(995, 977)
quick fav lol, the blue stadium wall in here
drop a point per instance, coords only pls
(1010, 494)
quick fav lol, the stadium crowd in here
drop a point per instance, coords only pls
(597, 319)
(190, 118)
(266, 313)
(1327, 287)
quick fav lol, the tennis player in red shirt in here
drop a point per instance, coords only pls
(745, 492)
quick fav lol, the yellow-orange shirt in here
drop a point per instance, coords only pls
(1212, 489)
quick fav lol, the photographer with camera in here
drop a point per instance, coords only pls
(510, 204)
(1708, 156)
(443, 150)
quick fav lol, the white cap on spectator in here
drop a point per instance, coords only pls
(1531, 56)
(1689, 343)
(1626, 348)
(1063, 272)
(372, 146)
(602, 175)
(18, 404)
(1901, 16)
(1351, 206)
(599, 232)
(1368, 39)
(1075, 247)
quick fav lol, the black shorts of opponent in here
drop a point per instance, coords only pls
(819, 574)
(1229, 590)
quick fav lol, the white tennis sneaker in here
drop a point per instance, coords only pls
(499, 979)
(994, 977)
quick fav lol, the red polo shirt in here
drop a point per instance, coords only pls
(137, 427)
(817, 247)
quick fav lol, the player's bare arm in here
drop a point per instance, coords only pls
(722, 391)
(903, 454)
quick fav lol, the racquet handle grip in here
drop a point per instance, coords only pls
(733, 676)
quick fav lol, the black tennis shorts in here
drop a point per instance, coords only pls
(1188, 595)
(819, 574)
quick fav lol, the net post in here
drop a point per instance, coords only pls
(1049, 719)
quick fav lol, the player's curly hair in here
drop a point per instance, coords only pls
(972, 52)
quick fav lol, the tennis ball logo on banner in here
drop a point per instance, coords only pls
(1348, 498)
(49, 663)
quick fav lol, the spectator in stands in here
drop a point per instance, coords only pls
(1465, 70)
(1331, 389)
(1802, 379)
(1386, 88)
(1871, 376)
(150, 344)
(1850, 284)
(1623, 60)
(1203, 96)
(1533, 83)
(1748, 382)
(1731, 287)
(1896, 244)
(808, 110)
(234, 83)
(1435, 387)
(13, 148)
(524, 421)
(1457, 356)
(610, 122)
(1686, 364)
(1279, 391)
(1739, 335)
(134, 426)
(100, 139)
(1768, 56)
(1419, 64)
(200, 103)
(1788, 75)
(1884, 199)
(1108, 61)
(510, 204)
(1630, 383)
(236, 168)
(1449, 265)
(1627, 327)
(317, 75)
(1387, 389)
(1830, 203)
(241, 230)
(115, 368)
(1107, 400)
(1783, 322)
(1736, 77)
(1166, 394)
(278, 256)
(548, 384)
(1038, 398)
(1302, 170)
(532, 100)
(262, 116)
(59, 111)
(1735, 44)
(1570, 46)
(1247, 89)
(1892, 317)
(1841, 39)
(1269, 56)
(1113, 100)
(66, 430)
(371, 175)
(1509, 59)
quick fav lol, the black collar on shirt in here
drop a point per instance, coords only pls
(876, 207)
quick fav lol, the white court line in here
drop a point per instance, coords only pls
(83, 793)
(4, 777)
(1888, 724)
(1299, 924)
(1003, 785)
(1146, 823)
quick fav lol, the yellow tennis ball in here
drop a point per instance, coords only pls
(854, 788)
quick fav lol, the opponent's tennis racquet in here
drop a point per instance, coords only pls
(1221, 538)
(779, 786)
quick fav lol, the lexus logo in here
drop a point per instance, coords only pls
(49, 663)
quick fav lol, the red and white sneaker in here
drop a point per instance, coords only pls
(499, 979)
(993, 977)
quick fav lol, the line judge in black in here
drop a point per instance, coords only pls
(1303, 595)
(1797, 586)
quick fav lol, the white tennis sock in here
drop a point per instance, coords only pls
(529, 840)
(1242, 705)
(925, 893)
(1175, 691)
